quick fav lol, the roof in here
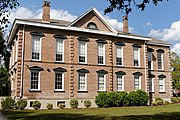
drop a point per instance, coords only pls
(156, 41)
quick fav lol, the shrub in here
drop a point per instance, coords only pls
(87, 103)
(74, 103)
(36, 105)
(101, 100)
(62, 105)
(8, 103)
(123, 99)
(166, 102)
(159, 101)
(49, 106)
(21, 104)
(175, 99)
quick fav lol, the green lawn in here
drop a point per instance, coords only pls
(166, 112)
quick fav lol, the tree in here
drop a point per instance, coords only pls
(175, 63)
(125, 5)
(5, 7)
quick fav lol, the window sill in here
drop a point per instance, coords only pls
(119, 90)
(162, 92)
(101, 91)
(161, 70)
(137, 66)
(82, 91)
(35, 60)
(120, 66)
(80, 63)
(30, 90)
(59, 62)
(101, 64)
(60, 91)
(151, 91)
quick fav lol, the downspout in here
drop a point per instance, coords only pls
(22, 65)
(145, 66)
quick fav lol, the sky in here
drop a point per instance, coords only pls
(161, 21)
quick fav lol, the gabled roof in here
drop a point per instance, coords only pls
(156, 41)
(95, 11)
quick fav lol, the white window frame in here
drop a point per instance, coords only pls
(34, 36)
(122, 82)
(162, 61)
(121, 48)
(84, 51)
(85, 77)
(152, 84)
(139, 83)
(39, 74)
(137, 55)
(162, 85)
(99, 44)
(150, 54)
(104, 82)
(61, 40)
(62, 81)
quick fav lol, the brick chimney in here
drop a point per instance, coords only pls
(125, 24)
(46, 11)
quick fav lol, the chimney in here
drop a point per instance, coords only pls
(125, 24)
(46, 11)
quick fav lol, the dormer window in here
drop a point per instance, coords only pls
(92, 25)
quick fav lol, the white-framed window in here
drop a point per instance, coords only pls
(59, 50)
(136, 57)
(160, 61)
(137, 82)
(150, 60)
(36, 48)
(59, 81)
(151, 84)
(161, 85)
(82, 86)
(119, 55)
(35, 80)
(120, 82)
(101, 82)
(82, 52)
(101, 53)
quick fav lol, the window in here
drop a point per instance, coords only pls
(101, 82)
(137, 83)
(59, 50)
(161, 85)
(82, 51)
(151, 84)
(82, 82)
(35, 80)
(92, 25)
(120, 83)
(101, 53)
(136, 56)
(160, 60)
(119, 55)
(59, 81)
(36, 48)
(150, 62)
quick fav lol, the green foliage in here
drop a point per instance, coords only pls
(74, 103)
(62, 105)
(4, 82)
(175, 99)
(8, 103)
(114, 99)
(36, 105)
(49, 106)
(126, 5)
(87, 103)
(21, 104)
(158, 101)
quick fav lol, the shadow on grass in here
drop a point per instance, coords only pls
(29, 115)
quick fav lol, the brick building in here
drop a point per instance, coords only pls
(54, 61)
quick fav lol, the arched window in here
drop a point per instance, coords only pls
(92, 25)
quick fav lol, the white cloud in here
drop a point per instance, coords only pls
(176, 48)
(117, 25)
(147, 24)
(171, 34)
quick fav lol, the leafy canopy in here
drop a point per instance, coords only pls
(125, 5)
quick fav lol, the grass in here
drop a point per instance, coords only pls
(166, 112)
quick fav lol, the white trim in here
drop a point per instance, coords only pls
(122, 55)
(40, 38)
(104, 82)
(85, 52)
(39, 74)
(62, 82)
(85, 75)
(162, 60)
(139, 65)
(122, 83)
(46, 25)
(163, 85)
(62, 49)
(152, 84)
(139, 78)
(104, 53)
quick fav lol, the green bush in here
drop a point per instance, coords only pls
(101, 100)
(166, 102)
(62, 105)
(8, 103)
(175, 99)
(49, 106)
(87, 103)
(138, 98)
(21, 104)
(159, 101)
(123, 99)
(74, 103)
(36, 105)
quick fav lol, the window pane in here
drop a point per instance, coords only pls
(119, 55)
(101, 54)
(82, 51)
(82, 82)
(59, 49)
(136, 83)
(34, 80)
(36, 48)
(101, 82)
(161, 85)
(58, 81)
(159, 56)
(136, 57)
(119, 82)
